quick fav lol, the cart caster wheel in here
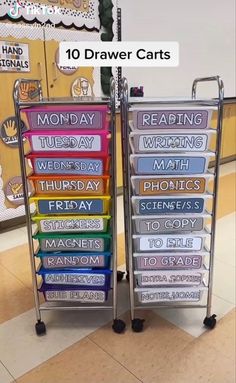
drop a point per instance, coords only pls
(210, 322)
(137, 325)
(127, 276)
(118, 326)
(40, 328)
(120, 275)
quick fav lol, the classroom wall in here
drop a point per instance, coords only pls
(205, 30)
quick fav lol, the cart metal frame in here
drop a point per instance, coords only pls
(118, 325)
(137, 323)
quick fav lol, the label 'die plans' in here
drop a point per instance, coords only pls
(76, 166)
(188, 119)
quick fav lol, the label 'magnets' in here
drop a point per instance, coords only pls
(63, 142)
(63, 206)
(172, 261)
(72, 244)
(169, 225)
(71, 261)
(175, 242)
(76, 166)
(171, 142)
(188, 119)
(170, 165)
(171, 186)
(66, 119)
(169, 205)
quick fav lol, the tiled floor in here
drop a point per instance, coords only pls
(80, 347)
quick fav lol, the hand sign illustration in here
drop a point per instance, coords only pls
(24, 91)
(15, 187)
(10, 128)
(77, 88)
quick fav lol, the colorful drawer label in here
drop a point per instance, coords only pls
(66, 120)
(82, 143)
(171, 165)
(173, 261)
(71, 224)
(178, 142)
(80, 166)
(79, 279)
(170, 294)
(172, 224)
(188, 119)
(175, 242)
(72, 244)
(67, 261)
(81, 186)
(167, 205)
(171, 185)
(173, 277)
(87, 206)
(83, 296)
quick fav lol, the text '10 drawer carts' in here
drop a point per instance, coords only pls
(170, 199)
(71, 169)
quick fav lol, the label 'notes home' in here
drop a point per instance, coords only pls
(167, 118)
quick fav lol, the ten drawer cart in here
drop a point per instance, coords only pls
(75, 205)
(167, 221)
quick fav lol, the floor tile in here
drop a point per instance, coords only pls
(191, 320)
(83, 362)
(11, 239)
(224, 281)
(17, 261)
(5, 377)
(225, 234)
(16, 298)
(146, 351)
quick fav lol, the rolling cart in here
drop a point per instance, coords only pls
(73, 251)
(170, 210)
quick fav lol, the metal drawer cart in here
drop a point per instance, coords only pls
(170, 199)
(70, 197)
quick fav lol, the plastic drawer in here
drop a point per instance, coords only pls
(74, 242)
(170, 242)
(170, 205)
(67, 117)
(162, 224)
(82, 165)
(169, 164)
(170, 294)
(57, 293)
(171, 261)
(78, 224)
(71, 205)
(176, 117)
(62, 260)
(166, 185)
(159, 278)
(71, 185)
(69, 141)
(171, 141)
(75, 277)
